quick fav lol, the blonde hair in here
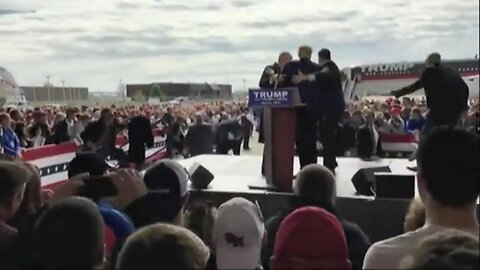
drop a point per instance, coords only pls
(415, 217)
(305, 52)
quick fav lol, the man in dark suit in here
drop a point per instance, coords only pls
(63, 130)
(228, 136)
(100, 136)
(306, 130)
(200, 138)
(270, 78)
(140, 135)
(368, 143)
(247, 127)
(445, 90)
(330, 102)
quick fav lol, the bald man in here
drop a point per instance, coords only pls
(271, 77)
(307, 117)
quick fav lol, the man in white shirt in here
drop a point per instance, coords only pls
(448, 184)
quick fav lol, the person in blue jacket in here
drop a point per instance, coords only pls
(8, 138)
(416, 121)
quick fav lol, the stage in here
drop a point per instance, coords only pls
(237, 173)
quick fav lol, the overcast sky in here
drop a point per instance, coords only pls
(95, 43)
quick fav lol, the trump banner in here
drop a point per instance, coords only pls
(269, 97)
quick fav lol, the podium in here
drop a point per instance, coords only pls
(279, 127)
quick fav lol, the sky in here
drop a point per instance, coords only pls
(96, 43)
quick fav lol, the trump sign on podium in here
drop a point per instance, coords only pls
(268, 97)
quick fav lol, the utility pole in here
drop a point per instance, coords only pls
(64, 94)
(48, 88)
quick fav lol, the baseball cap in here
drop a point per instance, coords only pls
(313, 237)
(167, 185)
(238, 232)
(89, 162)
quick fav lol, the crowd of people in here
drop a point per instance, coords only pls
(195, 128)
(149, 221)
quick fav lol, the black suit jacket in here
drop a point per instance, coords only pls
(309, 92)
(365, 143)
(139, 135)
(60, 132)
(329, 80)
(265, 83)
(200, 139)
(226, 127)
(94, 130)
(445, 90)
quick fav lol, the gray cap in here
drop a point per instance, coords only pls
(433, 59)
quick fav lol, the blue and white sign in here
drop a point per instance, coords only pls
(268, 97)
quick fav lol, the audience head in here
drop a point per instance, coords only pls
(167, 184)
(13, 180)
(315, 186)
(324, 56)
(416, 113)
(284, 58)
(310, 238)
(199, 218)
(88, 162)
(238, 234)
(16, 115)
(450, 249)
(106, 115)
(448, 168)
(198, 119)
(5, 120)
(305, 52)
(163, 246)
(415, 217)
(71, 112)
(32, 199)
(370, 118)
(69, 234)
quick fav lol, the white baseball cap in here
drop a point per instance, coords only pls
(238, 232)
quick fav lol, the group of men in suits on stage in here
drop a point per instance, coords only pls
(320, 89)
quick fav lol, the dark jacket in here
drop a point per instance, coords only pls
(366, 146)
(200, 139)
(43, 129)
(265, 83)
(357, 241)
(309, 92)
(60, 132)
(94, 130)
(226, 128)
(139, 136)
(329, 81)
(446, 93)
(175, 136)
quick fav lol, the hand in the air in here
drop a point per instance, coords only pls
(69, 188)
(296, 79)
(130, 186)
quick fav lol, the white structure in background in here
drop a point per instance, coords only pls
(121, 90)
(11, 96)
(7, 83)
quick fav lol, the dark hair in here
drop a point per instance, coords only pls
(324, 54)
(69, 234)
(315, 186)
(12, 177)
(448, 160)
(32, 199)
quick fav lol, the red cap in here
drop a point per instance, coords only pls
(313, 238)
(110, 238)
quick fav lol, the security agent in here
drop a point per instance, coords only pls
(331, 103)
(445, 90)
(271, 77)
(306, 116)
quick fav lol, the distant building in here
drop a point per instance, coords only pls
(54, 93)
(167, 91)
